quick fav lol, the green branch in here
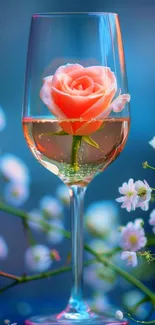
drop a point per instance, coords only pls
(151, 241)
(100, 258)
(140, 321)
(24, 279)
(10, 276)
(138, 304)
(146, 165)
(129, 277)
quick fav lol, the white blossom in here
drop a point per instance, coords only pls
(96, 276)
(38, 258)
(101, 217)
(131, 258)
(99, 302)
(16, 194)
(62, 193)
(13, 169)
(51, 207)
(99, 246)
(35, 216)
(55, 236)
(133, 236)
(135, 195)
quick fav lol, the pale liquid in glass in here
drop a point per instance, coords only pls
(55, 151)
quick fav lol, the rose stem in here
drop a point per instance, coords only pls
(75, 148)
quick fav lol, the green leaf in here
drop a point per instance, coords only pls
(56, 133)
(91, 142)
(102, 126)
(61, 133)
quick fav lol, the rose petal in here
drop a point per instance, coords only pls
(73, 106)
(67, 127)
(84, 81)
(88, 128)
(48, 79)
(65, 70)
(118, 104)
(98, 89)
(101, 75)
(80, 128)
(45, 95)
(68, 84)
(101, 108)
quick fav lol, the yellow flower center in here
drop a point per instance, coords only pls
(129, 194)
(133, 239)
(142, 191)
(15, 193)
(36, 258)
(130, 258)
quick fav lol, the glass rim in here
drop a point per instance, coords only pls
(65, 14)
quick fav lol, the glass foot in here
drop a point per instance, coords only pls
(59, 319)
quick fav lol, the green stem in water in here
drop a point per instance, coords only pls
(75, 148)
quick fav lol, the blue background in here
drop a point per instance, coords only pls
(138, 29)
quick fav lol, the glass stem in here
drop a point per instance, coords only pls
(77, 307)
(77, 201)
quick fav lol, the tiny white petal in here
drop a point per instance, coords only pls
(125, 255)
(139, 222)
(143, 199)
(131, 258)
(3, 248)
(152, 142)
(120, 199)
(2, 119)
(152, 218)
(131, 182)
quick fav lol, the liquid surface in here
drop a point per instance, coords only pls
(55, 152)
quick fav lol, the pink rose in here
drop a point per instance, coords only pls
(75, 92)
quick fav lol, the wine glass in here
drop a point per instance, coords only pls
(76, 118)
